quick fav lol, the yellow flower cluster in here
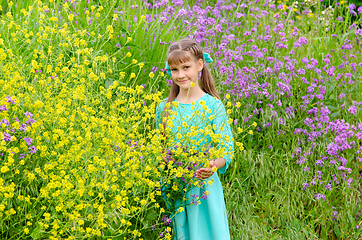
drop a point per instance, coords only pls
(83, 162)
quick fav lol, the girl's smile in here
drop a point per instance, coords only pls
(182, 81)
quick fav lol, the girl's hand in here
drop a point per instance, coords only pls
(204, 173)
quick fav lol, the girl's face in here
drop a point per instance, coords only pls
(187, 72)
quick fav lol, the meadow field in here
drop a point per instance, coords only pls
(80, 152)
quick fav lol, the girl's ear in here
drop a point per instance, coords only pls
(200, 65)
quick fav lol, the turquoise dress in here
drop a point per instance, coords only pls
(208, 220)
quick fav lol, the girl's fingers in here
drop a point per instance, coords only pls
(204, 173)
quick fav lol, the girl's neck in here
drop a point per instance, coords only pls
(194, 94)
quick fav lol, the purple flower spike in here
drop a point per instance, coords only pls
(359, 10)
(30, 121)
(28, 114)
(305, 185)
(303, 40)
(7, 137)
(204, 195)
(353, 110)
(3, 108)
(177, 2)
(10, 100)
(319, 196)
(6, 122)
(351, 8)
(23, 127)
(28, 140)
(335, 215)
(166, 220)
(33, 149)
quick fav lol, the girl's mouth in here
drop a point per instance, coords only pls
(182, 81)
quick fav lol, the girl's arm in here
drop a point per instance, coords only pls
(204, 173)
(219, 162)
(222, 127)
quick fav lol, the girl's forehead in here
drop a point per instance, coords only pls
(179, 58)
(183, 63)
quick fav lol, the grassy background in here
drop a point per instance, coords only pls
(262, 187)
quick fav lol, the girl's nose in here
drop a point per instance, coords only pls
(181, 74)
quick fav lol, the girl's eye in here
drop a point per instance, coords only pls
(187, 67)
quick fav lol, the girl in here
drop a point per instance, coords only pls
(185, 60)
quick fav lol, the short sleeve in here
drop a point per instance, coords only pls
(222, 127)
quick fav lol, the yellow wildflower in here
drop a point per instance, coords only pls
(71, 17)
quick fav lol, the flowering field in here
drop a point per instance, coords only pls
(81, 154)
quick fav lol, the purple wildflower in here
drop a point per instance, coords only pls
(28, 114)
(319, 196)
(30, 121)
(33, 149)
(204, 195)
(7, 137)
(22, 127)
(350, 180)
(334, 213)
(3, 108)
(281, 121)
(303, 40)
(28, 141)
(359, 10)
(328, 186)
(353, 110)
(301, 71)
(8, 98)
(351, 8)
(166, 220)
(5, 121)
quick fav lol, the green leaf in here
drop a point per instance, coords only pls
(131, 45)
(332, 87)
(152, 215)
(335, 114)
(331, 107)
(36, 233)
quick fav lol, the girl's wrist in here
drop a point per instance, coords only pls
(219, 162)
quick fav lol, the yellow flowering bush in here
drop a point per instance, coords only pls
(80, 155)
(90, 169)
